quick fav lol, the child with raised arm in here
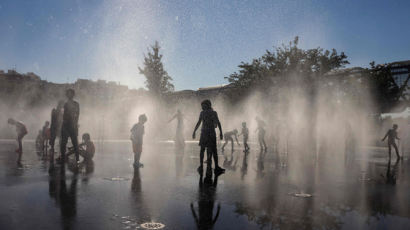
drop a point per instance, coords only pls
(245, 133)
(137, 133)
(228, 136)
(209, 119)
(391, 140)
(21, 132)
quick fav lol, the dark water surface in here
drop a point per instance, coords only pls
(258, 191)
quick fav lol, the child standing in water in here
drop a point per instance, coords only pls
(179, 135)
(137, 133)
(261, 133)
(21, 132)
(245, 133)
(391, 140)
(228, 137)
(209, 119)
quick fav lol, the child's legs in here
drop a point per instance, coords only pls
(214, 153)
(74, 140)
(20, 142)
(396, 149)
(137, 157)
(226, 142)
(137, 153)
(63, 144)
(389, 147)
(201, 155)
(231, 140)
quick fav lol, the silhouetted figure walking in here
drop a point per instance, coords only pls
(245, 133)
(391, 140)
(21, 132)
(137, 135)
(261, 133)
(55, 126)
(179, 135)
(209, 119)
(206, 201)
(70, 125)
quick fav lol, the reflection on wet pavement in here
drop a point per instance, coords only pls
(258, 191)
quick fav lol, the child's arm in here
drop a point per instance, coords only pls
(236, 137)
(175, 116)
(219, 126)
(385, 136)
(197, 125)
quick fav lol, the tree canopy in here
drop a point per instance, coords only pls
(285, 63)
(157, 81)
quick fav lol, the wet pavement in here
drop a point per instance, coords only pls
(258, 190)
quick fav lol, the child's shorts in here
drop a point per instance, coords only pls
(136, 147)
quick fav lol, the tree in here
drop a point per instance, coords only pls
(288, 63)
(384, 89)
(157, 81)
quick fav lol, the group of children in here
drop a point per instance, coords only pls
(65, 117)
(64, 121)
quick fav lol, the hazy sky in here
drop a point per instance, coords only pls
(203, 41)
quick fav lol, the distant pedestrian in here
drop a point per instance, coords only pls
(245, 134)
(55, 126)
(261, 133)
(179, 135)
(137, 134)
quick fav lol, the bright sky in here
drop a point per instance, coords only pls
(203, 41)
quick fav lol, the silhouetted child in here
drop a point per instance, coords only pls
(391, 140)
(209, 119)
(137, 133)
(39, 141)
(55, 126)
(46, 135)
(261, 133)
(21, 132)
(245, 133)
(229, 137)
(70, 125)
(179, 135)
(86, 148)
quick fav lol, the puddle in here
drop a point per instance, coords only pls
(302, 195)
(116, 178)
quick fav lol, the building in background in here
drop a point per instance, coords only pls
(400, 71)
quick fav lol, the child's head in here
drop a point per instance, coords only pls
(206, 104)
(47, 123)
(60, 105)
(142, 118)
(235, 131)
(70, 93)
(11, 121)
(244, 124)
(86, 137)
(395, 126)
